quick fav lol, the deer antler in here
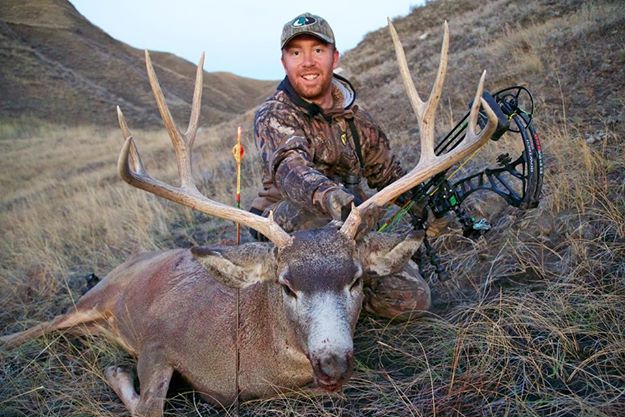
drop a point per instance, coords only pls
(131, 168)
(429, 164)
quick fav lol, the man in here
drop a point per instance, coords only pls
(316, 144)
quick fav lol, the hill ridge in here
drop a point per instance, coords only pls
(57, 67)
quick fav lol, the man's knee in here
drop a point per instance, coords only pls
(403, 295)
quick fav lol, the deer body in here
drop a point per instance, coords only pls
(138, 305)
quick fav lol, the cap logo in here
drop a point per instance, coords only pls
(303, 21)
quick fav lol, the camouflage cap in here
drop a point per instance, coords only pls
(307, 24)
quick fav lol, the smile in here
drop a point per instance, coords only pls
(310, 77)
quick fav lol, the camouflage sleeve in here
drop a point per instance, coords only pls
(287, 157)
(381, 166)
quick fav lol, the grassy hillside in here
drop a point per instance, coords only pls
(566, 52)
(55, 66)
(532, 321)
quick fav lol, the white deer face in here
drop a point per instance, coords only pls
(321, 280)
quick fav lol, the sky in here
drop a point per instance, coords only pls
(238, 36)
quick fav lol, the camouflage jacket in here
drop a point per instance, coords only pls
(306, 151)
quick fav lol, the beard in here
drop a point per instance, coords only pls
(314, 90)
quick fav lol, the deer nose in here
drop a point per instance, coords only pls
(335, 368)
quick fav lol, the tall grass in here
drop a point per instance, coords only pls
(532, 323)
(65, 211)
(65, 215)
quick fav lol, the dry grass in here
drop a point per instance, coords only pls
(531, 325)
(66, 214)
(65, 210)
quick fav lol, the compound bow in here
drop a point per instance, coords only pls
(518, 182)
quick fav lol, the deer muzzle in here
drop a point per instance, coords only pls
(333, 370)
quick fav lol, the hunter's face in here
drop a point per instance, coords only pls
(309, 63)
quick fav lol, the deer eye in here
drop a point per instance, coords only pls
(288, 291)
(284, 283)
(356, 283)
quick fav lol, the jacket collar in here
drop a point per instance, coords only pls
(341, 83)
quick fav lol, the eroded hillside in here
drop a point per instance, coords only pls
(56, 66)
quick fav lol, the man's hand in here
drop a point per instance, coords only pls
(435, 225)
(420, 212)
(337, 203)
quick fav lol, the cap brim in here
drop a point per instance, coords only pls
(315, 34)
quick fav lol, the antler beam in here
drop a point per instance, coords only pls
(429, 164)
(131, 168)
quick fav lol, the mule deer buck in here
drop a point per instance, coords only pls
(300, 293)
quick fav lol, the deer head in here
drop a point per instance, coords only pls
(319, 272)
(320, 276)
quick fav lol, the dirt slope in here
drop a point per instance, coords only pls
(57, 66)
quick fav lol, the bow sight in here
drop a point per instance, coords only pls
(518, 181)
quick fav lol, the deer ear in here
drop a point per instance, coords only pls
(238, 266)
(385, 253)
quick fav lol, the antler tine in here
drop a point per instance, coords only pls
(197, 103)
(131, 169)
(180, 143)
(197, 201)
(429, 164)
(135, 158)
(425, 111)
